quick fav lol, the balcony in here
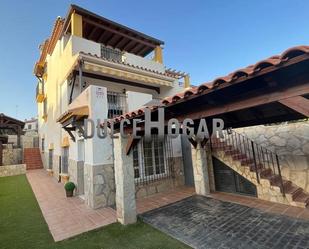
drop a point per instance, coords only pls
(40, 92)
(86, 46)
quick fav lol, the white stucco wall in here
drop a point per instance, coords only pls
(143, 62)
(136, 100)
(82, 45)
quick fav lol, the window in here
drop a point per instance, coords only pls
(43, 144)
(45, 109)
(29, 126)
(65, 160)
(117, 104)
(50, 159)
(151, 160)
(111, 54)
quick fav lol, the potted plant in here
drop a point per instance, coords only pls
(69, 188)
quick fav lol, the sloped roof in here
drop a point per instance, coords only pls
(242, 74)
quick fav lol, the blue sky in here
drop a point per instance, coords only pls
(205, 38)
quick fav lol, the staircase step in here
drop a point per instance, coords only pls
(231, 152)
(259, 167)
(239, 156)
(303, 198)
(32, 158)
(247, 161)
(265, 173)
(222, 147)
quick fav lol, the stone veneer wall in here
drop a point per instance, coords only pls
(12, 156)
(12, 170)
(291, 142)
(164, 184)
(76, 174)
(99, 185)
(28, 141)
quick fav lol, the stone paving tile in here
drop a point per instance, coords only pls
(161, 199)
(203, 222)
(271, 207)
(65, 217)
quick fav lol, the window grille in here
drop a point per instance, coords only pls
(43, 144)
(65, 160)
(50, 159)
(117, 104)
(153, 160)
(45, 107)
(111, 54)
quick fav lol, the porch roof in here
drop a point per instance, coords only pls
(102, 30)
(272, 90)
(77, 112)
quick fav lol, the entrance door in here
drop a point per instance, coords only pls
(227, 180)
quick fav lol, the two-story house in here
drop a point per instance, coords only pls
(91, 67)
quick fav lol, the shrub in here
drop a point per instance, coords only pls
(69, 186)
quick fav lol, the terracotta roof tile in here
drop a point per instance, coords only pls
(272, 61)
(128, 64)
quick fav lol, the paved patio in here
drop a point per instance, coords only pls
(162, 199)
(267, 206)
(204, 222)
(65, 217)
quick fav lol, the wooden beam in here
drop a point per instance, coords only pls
(118, 32)
(143, 51)
(245, 103)
(193, 142)
(131, 143)
(119, 43)
(129, 45)
(137, 48)
(92, 33)
(293, 61)
(298, 104)
(113, 42)
(107, 38)
(101, 36)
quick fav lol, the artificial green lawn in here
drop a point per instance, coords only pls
(23, 226)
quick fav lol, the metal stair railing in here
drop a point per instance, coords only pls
(260, 159)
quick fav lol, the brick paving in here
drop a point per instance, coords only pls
(204, 222)
(65, 217)
(162, 199)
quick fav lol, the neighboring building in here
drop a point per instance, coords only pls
(11, 131)
(96, 68)
(31, 125)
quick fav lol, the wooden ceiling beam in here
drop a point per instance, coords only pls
(129, 45)
(137, 48)
(113, 42)
(118, 44)
(118, 32)
(92, 33)
(143, 51)
(246, 103)
(108, 38)
(101, 36)
(298, 104)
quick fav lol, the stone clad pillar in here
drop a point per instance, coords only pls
(200, 170)
(125, 186)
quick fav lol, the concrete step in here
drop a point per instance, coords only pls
(32, 158)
